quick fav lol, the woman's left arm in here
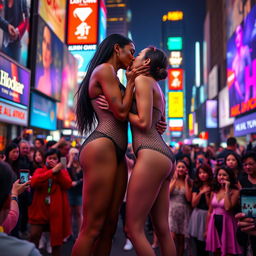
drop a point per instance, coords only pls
(230, 199)
(144, 102)
(63, 179)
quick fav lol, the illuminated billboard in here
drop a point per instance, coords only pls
(49, 59)
(174, 43)
(191, 124)
(241, 67)
(173, 16)
(102, 21)
(43, 112)
(175, 79)
(14, 82)
(175, 124)
(175, 104)
(211, 114)
(82, 22)
(54, 13)
(175, 59)
(66, 108)
(15, 47)
(83, 58)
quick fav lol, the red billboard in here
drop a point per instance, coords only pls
(175, 79)
(82, 22)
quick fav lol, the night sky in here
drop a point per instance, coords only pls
(146, 28)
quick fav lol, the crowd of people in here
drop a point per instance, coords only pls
(204, 201)
(48, 210)
(191, 194)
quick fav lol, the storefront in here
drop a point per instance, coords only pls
(14, 99)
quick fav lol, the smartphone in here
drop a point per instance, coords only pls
(63, 160)
(24, 176)
(76, 156)
(248, 202)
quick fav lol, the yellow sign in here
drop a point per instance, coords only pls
(174, 16)
(175, 104)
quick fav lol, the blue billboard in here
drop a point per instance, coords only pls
(43, 112)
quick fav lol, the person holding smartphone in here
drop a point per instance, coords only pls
(221, 226)
(247, 180)
(75, 192)
(50, 210)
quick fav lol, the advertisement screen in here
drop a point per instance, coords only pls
(48, 71)
(224, 116)
(43, 112)
(14, 42)
(82, 22)
(13, 115)
(175, 104)
(241, 67)
(175, 79)
(83, 58)
(211, 114)
(14, 82)
(103, 21)
(66, 108)
(54, 13)
(236, 10)
(245, 125)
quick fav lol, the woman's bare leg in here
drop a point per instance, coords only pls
(35, 233)
(99, 163)
(148, 175)
(159, 215)
(104, 243)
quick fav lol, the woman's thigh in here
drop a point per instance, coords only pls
(150, 171)
(99, 162)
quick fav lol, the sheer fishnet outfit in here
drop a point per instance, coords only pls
(111, 128)
(150, 139)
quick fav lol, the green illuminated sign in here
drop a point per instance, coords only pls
(174, 43)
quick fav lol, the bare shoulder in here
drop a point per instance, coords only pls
(142, 82)
(103, 70)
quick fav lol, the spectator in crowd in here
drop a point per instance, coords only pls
(50, 210)
(201, 159)
(189, 163)
(221, 225)
(200, 202)
(13, 215)
(247, 180)
(39, 143)
(63, 146)
(179, 209)
(12, 153)
(38, 160)
(231, 146)
(233, 161)
(75, 192)
(10, 245)
(24, 198)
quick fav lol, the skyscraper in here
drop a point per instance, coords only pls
(118, 17)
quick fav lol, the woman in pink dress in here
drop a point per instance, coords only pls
(221, 224)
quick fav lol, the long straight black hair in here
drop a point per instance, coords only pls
(85, 114)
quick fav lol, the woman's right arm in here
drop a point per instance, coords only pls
(40, 176)
(118, 104)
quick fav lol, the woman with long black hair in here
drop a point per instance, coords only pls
(102, 156)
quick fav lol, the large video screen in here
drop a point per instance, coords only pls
(82, 27)
(54, 13)
(241, 67)
(14, 82)
(43, 112)
(14, 36)
(49, 61)
(66, 108)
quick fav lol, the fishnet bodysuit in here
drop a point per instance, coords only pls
(111, 128)
(149, 139)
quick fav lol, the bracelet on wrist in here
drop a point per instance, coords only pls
(15, 198)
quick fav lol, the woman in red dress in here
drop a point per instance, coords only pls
(50, 208)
